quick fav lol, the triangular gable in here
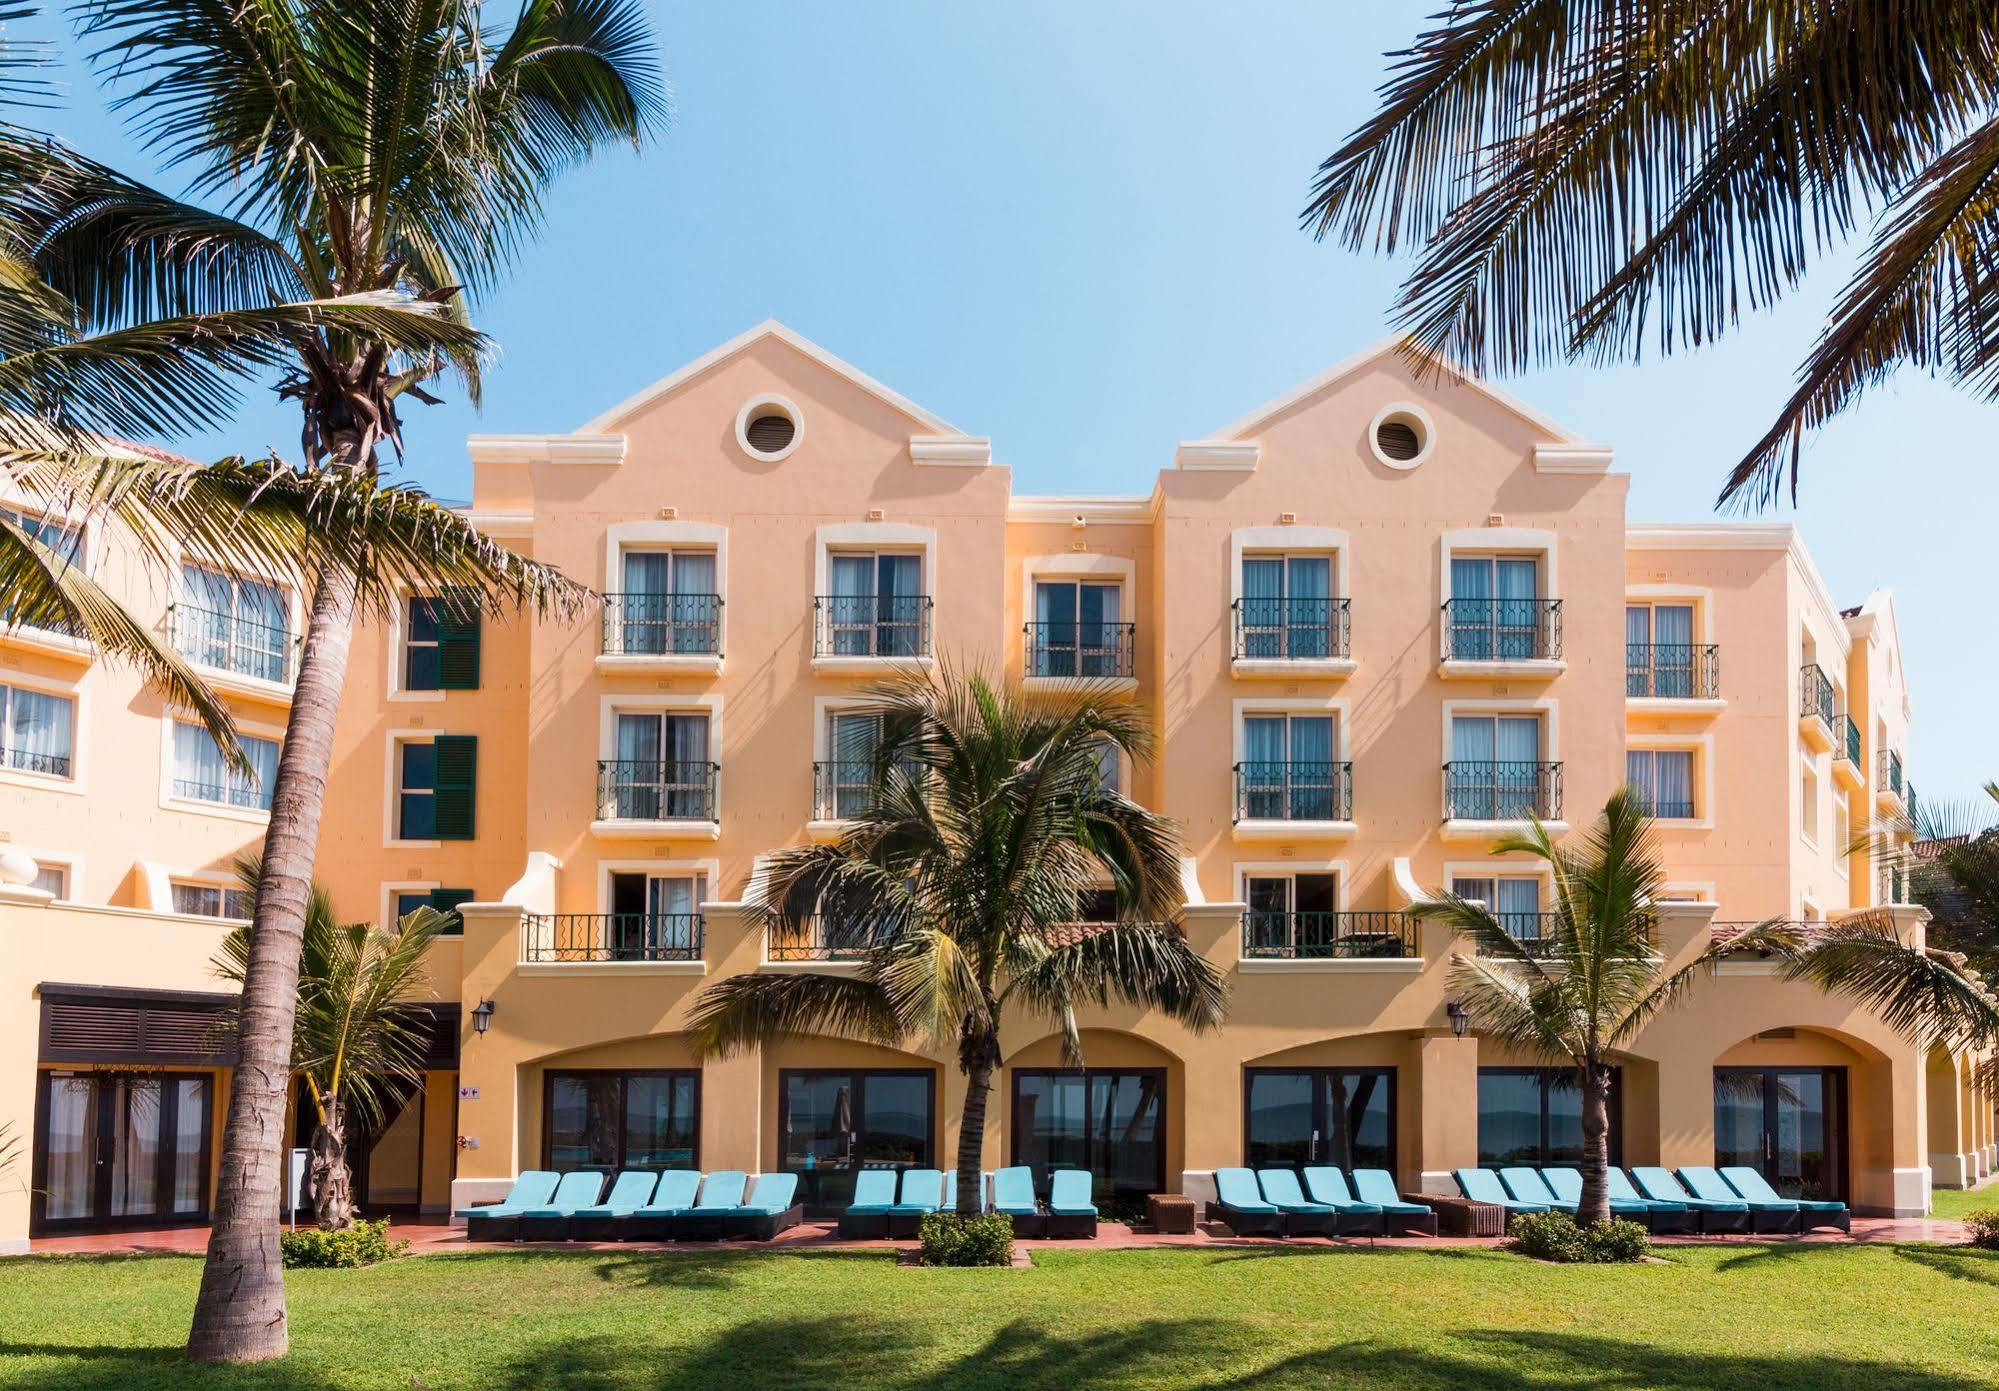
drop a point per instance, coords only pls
(770, 328)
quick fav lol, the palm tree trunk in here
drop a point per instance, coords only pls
(332, 1182)
(981, 1059)
(240, 1313)
(1595, 1205)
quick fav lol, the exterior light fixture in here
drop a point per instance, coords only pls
(1459, 1016)
(482, 1017)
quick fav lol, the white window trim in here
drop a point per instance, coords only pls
(1289, 540)
(1245, 870)
(77, 783)
(1702, 600)
(201, 878)
(903, 537)
(249, 816)
(1840, 854)
(70, 862)
(621, 537)
(294, 607)
(1086, 567)
(823, 709)
(787, 408)
(1702, 746)
(391, 888)
(399, 613)
(88, 558)
(1499, 868)
(1538, 542)
(1703, 889)
(392, 784)
(1551, 752)
(1808, 761)
(608, 709)
(1335, 706)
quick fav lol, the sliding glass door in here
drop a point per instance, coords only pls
(833, 1123)
(1788, 1123)
(120, 1149)
(1295, 1118)
(1110, 1122)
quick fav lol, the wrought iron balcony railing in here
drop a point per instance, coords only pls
(228, 642)
(810, 940)
(1502, 791)
(1669, 811)
(871, 625)
(651, 790)
(1502, 630)
(1535, 933)
(1849, 748)
(231, 794)
(1291, 630)
(1311, 936)
(611, 937)
(1672, 671)
(1294, 792)
(1087, 650)
(1816, 695)
(53, 765)
(662, 625)
(1891, 772)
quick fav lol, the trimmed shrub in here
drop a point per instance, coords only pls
(364, 1243)
(945, 1238)
(1984, 1225)
(1555, 1236)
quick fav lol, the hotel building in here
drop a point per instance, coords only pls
(1377, 622)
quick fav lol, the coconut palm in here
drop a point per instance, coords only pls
(1582, 179)
(360, 1034)
(1580, 993)
(352, 148)
(958, 889)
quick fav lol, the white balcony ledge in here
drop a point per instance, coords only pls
(871, 666)
(1847, 774)
(1462, 828)
(830, 829)
(812, 967)
(1694, 709)
(50, 643)
(611, 968)
(1331, 965)
(1265, 829)
(1889, 801)
(622, 829)
(1816, 733)
(248, 687)
(1292, 668)
(1523, 669)
(660, 663)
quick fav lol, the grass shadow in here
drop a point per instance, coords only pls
(1956, 1262)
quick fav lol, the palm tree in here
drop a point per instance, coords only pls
(359, 1037)
(356, 148)
(958, 888)
(1592, 982)
(1583, 180)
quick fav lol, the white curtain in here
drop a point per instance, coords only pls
(38, 730)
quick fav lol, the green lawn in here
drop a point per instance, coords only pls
(1908, 1318)
(1954, 1203)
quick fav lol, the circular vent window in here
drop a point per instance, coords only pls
(768, 428)
(1400, 436)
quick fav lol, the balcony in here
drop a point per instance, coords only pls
(1293, 801)
(1482, 799)
(1846, 757)
(863, 633)
(808, 942)
(1534, 933)
(1818, 708)
(55, 635)
(653, 800)
(1067, 654)
(1484, 638)
(1889, 791)
(1290, 638)
(582, 938)
(259, 654)
(1319, 936)
(1672, 677)
(662, 632)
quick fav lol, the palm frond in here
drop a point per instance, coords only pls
(1776, 939)
(1924, 994)
(1514, 1009)
(1149, 965)
(750, 1011)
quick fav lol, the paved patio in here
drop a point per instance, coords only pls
(431, 1238)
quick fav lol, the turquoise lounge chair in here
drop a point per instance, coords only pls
(1302, 1216)
(867, 1214)
(654, 1221)
(772, 1206)
(1239, 1203)
(1070, 1211)
(721, 1192)
(1812, 1212)
(1376, 1187)
(1483, 1186)
(1772, 1214)
(922, 1194)
(1327, 1185)
(1716, 1215)
(630, 1191)
(1567, 1187)
(1013, 1194)
(501, 1221)
(550, 1221)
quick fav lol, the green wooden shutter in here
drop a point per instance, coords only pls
(446, 901)
(457, 785)
(458, 643)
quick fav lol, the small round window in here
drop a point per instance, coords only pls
(1400, 436)
(768, 428)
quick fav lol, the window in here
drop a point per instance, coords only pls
(1111, 1123)
(1533, 1117)
(65, 541)
(1288, 609)
(833, 1123)
(1291, 914)
(1660, 658)
(200, 773)
(1097, 906)
(670, 604)
(444, 901)
(232, 624)
(436, 788)
(210, 900)
(655, 917)
(662, 770)
(441, 644)
(52, 879)
(612, 1121)
(1665, 779)
(1496, 612)
(1496, 772)
(1513, 899)
(1076, 630)
(36, 731)
(1109, 759)
(1808, 795)
(1342, 1116)
(877, 607)
(1288, 771)
(846, 779)
(768, 428)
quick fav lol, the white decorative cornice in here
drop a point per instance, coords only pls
(546, 449)
(1089, 511)
(501, 525)
(1217, 456)
(1572, 458)
(951, 451)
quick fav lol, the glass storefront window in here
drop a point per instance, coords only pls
(611, 1121)
(833, 1123)
(1343, 1117)
(1111, 1123)
(1532, 1117)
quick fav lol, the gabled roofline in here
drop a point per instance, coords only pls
(1346, 367)
(771, 328)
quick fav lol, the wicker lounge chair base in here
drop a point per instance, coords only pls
(506, 1228)
(1027, 1225)
(597, 1227)
(539, 1226)
(1411, 1223)
(1073, 1226)
(863, 1226)
(761, 1226)
(1462, 1216)
(1716, 1221)
(1243, 1223)
(1311, 1224)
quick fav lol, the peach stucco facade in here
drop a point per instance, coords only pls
(1389, 492)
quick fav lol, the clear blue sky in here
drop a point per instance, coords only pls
(1073, 227)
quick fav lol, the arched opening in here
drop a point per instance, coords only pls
(632, 1103)
(1120, 1117)
(1347, 1103)
(838, 1107)
(1810, 1109)
(1950, 1144)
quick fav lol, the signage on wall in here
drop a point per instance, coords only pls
(468, 1093)
(468, 1142)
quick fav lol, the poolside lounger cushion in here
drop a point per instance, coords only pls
(721, 1189)
(1528, 1186)
(1715, 1214)
(533, 1188)
(1070, 1211)
(1239, 1203)
(630, 1191)
(770, 1207)
(1013, 1194)
(1567, 1186)
(1302, 1217)
(1773, 1214)
(1483, 1186)
(1376, 1188)
(1753, 1186)
(550, 1221)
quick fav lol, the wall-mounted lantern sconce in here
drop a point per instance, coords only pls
(482, 1017)
(1459, 1016)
